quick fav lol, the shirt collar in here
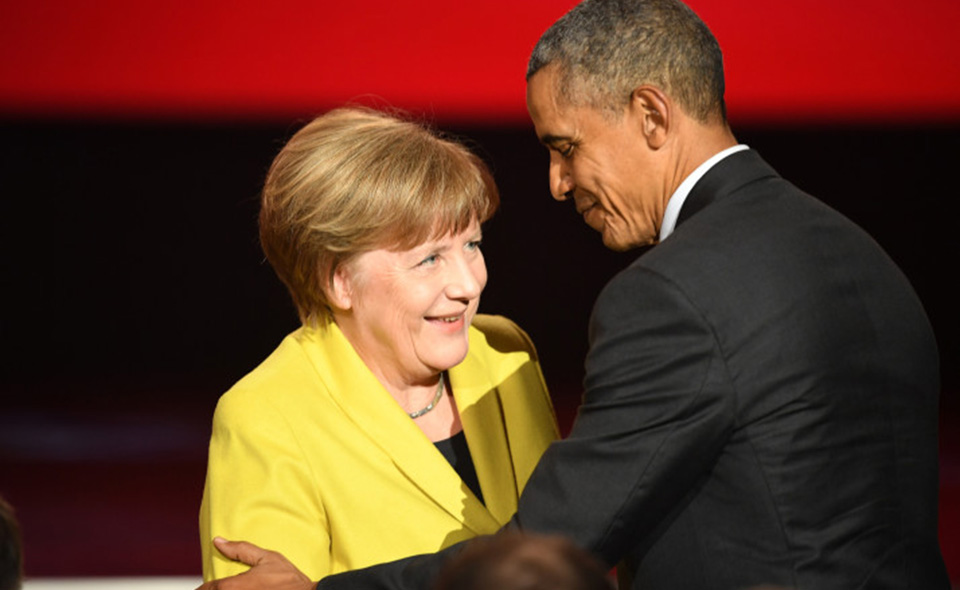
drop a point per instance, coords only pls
(683, 191)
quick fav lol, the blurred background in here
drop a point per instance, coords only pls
(134, 138)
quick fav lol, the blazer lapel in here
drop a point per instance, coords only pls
(484, 427)
(365, 402)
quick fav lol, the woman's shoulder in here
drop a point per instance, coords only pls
(276, 383)
(501, 334)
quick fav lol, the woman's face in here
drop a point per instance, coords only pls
(407, 312)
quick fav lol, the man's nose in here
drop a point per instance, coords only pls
(561, 183)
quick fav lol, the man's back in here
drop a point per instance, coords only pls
(826, 473)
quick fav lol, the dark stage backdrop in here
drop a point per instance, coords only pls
(131, 248)
(135, 293)
(134, 138)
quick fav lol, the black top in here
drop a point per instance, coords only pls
(456, 452)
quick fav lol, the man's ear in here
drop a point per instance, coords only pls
(653, 113)
(340, 293)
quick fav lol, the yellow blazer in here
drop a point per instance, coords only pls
(312, 457)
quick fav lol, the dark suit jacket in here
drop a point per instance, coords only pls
(760, 408)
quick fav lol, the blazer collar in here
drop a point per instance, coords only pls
(484, 420)
(364, 401)
(727, 176)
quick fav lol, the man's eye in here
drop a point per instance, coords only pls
(566, 151)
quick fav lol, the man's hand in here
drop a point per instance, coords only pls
(269, 570)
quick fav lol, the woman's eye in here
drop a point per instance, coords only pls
(429, 260)
(473, 245)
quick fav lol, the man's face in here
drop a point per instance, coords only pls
(604, 165)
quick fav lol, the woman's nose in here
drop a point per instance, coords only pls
(467, 280)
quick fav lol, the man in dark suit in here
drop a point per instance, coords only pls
(762, 385)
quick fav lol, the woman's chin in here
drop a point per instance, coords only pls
(449, 342)
(449, 357)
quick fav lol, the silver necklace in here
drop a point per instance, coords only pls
(432, 404)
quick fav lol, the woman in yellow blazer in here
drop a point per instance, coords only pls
(395, 421)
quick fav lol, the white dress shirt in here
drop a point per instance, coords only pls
(680, 195)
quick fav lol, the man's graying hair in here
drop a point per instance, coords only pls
(604, 49)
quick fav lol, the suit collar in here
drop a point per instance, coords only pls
(482, 416)
(679, 196)
(728, 175)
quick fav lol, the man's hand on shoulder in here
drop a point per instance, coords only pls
(269, 570)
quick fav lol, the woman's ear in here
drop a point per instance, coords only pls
(340, 292)
(652, 112)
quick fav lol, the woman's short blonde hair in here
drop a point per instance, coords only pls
(355, 180)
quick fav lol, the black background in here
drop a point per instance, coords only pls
(130, 251)
(135, 293)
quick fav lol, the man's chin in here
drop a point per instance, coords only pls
(621, 243)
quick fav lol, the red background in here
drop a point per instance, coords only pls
(135, 138)
(819, 60)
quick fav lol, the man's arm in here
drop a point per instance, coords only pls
(268, 569)
(657, 410)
